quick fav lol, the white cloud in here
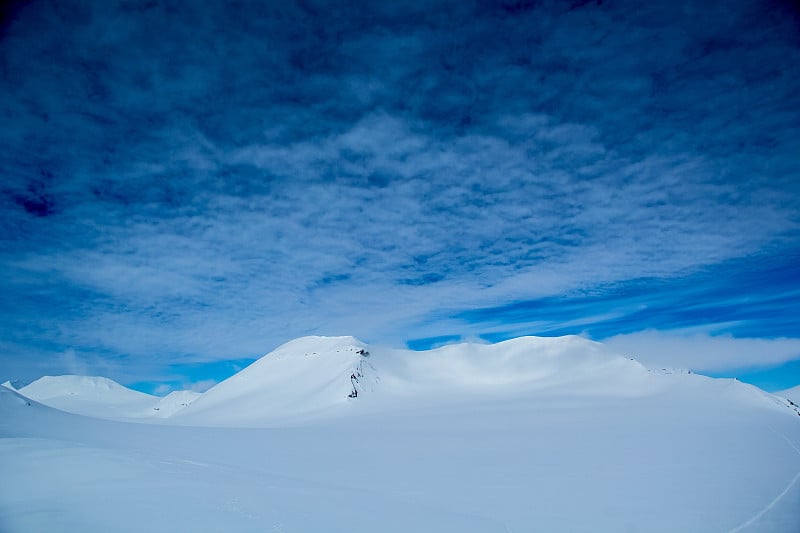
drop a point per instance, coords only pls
(202, 386)
(703, 352)
(162, 390)
(200, 215)
(74, 364)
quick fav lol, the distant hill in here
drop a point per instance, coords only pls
(102, 397)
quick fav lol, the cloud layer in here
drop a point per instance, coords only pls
(201, 183)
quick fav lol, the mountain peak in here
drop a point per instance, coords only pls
(75, 385)
(315, 345)
(301, 377)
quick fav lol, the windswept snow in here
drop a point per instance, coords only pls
(528, 435)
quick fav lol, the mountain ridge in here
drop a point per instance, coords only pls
(316, 377)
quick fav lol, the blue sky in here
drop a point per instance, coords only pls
(186, 186)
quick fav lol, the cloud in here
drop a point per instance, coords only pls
(73, 364)
(162, 389)
(750, 297)
(703, 352)
(202, 386)
(202, 185)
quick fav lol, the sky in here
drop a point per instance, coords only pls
(184, 186)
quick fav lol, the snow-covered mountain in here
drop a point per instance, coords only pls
(323, 377)
(333, 435)
(334, 376)
(305, 376)
(103, 398)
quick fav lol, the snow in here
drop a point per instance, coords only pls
(528, 435)
(103, 398)
(313, 377)
(790, 394)
(174, 402)
(301, 378)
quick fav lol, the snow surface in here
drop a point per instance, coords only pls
(301, 378)
(173, 402)
(790, 394)
(528, 435)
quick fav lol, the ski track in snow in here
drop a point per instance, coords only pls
(756, 517)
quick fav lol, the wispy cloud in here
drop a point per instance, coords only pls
(703, 353)
(202, 185)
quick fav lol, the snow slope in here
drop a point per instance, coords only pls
(336, 376)
(172, 403)
(88, 395)
(303, 377)
(563, 365)
(103, 398)
(791, 394)
(530, 435)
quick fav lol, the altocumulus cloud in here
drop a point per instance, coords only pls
(187, 183)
